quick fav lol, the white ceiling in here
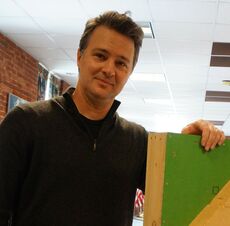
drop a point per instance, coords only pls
(184, 32)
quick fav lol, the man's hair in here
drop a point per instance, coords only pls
(118, 22)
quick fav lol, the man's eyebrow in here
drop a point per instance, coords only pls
(105, 51)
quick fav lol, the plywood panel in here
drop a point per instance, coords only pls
(182, 178)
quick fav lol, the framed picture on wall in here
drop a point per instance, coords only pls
(14, 100)
(42, 82)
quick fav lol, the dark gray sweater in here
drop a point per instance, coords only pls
(54, 173)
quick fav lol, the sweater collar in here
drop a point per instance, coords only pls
(72, 107)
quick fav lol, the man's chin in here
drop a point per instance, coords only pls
(105, 97)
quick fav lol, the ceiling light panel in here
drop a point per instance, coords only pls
(147, 29)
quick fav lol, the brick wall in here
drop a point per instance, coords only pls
(18, 74)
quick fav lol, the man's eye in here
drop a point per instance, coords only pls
(100, 56)
(122, 64)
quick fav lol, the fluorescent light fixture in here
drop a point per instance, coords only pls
(147, 77)
(158, 101)
(147, 32)
(147, 29)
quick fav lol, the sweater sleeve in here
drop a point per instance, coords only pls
(13, 142)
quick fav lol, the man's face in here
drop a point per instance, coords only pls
(105, 65)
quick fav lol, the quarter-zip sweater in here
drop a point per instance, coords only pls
(54, 173)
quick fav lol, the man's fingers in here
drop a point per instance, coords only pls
(216, 140)
(206, 133)
(222, 138)
(211, 137)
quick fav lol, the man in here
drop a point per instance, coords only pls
(72, 161)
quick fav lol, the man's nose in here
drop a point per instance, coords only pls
(109, 68)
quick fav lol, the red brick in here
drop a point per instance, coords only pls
(19, 73)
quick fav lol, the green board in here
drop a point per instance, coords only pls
(191, 178)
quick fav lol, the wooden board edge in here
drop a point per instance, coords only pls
(154, 179)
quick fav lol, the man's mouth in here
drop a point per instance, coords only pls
(105, 81)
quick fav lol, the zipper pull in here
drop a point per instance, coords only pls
(95, 145)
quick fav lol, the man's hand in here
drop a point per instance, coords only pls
(211, 136)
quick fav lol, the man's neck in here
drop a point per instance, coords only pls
(91, 108)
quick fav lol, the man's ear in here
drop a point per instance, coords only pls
(79, 55)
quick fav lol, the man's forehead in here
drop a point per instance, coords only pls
(105, 38)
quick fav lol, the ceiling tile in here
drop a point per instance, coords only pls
(184, 90)
(185, 47)
(33, 40)
(47, 53)
(67, 41)
(18, 25)
(212, 111)
(186, 59)
(152, 89)
(184, 11)
(222, 33)
(148, 58)
(148, 44)
(183, 31)
(8, 8)
(223, 13)
(65, 26)
(178, 74)
(183, 71)
(52, 8)
(72, 53)
(139, 9)
(102, 5)
(148, 68)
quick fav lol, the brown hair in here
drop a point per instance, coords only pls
(120, 23)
